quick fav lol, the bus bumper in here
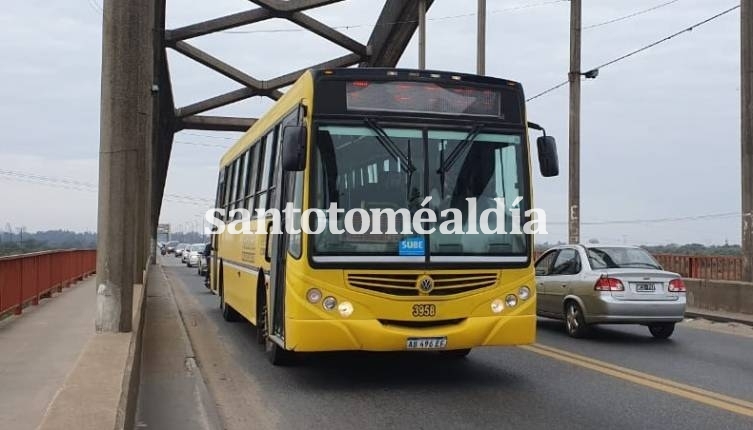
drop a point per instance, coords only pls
(373, 335)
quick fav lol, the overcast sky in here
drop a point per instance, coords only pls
(660, 130)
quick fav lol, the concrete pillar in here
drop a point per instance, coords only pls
(125, 87)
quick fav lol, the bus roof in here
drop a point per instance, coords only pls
(398, 74)
(304, 86)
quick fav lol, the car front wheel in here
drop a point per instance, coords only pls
(661, 330)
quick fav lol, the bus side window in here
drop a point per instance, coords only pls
(274, 138)
(218, 201)
(241, 186)
(253, 169)
(261, 189)
(228, 184)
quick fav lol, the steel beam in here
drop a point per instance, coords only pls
(216, 102)
(290, 78)
(328, 33)
(293, 5)
(216, 64)
(215, 123)
(396, 25)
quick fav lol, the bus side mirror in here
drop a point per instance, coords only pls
(293, 148)
(548, 160)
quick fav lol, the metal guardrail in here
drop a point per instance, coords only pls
(27, 278)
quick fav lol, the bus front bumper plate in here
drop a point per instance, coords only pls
(372, 335)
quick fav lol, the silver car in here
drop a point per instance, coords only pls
(193, 254)
(598, 284)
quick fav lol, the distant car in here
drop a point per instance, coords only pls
(598, 284)
(170, 246)
(186, 252)
(180, 248)
(194, 253)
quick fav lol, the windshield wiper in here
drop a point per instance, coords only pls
(390, 146)
(452, 158)
(395, 152)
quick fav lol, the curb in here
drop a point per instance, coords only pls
(210, 411)
(743, 319)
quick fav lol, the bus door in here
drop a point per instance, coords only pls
(214, 257)
(285, 187)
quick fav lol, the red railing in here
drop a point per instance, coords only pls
(727, 268)
(24, 279)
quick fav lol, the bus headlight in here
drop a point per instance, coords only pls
(524, 293)
(329, 303)
(511, 300)
(498, 306)
(313, 296)
(346, 309)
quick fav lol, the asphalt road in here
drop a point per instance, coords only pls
(618, 378)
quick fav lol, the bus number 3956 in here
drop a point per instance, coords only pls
(424, 311)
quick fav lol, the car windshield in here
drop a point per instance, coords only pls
(621, 257)
(390, 169)
(197, 248)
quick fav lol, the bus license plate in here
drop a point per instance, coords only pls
(427, 343)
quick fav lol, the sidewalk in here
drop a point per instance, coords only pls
(719, 316)
(37, 351)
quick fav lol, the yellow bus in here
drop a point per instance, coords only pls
(382, 140)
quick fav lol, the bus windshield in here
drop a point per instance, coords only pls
(387, 167)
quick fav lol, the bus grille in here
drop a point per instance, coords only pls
(406, 285)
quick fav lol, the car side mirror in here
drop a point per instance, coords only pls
(548, 159)
(294, 148)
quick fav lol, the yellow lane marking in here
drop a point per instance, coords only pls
(700, 395)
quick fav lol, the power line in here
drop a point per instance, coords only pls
(209, 136)
(705, 217)
(208, 145)
(671, 36)
(86, 186)
(441, 18)
(188, 199)
(634, 14)
(639, 50)
(95, 6)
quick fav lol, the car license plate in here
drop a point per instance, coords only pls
(427, 343)
(645, 287)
